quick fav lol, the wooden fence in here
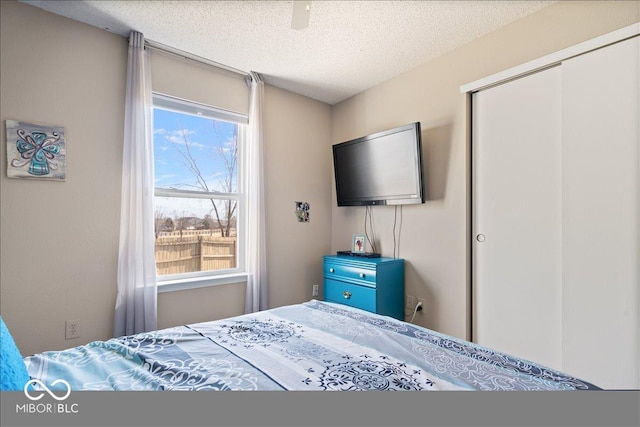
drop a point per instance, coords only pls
(176, 255)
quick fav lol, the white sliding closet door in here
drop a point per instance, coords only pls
(556, 216)
(517, 217)
(601, 185)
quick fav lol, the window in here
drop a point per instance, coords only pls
(198, 197)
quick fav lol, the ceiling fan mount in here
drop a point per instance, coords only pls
(300, 15)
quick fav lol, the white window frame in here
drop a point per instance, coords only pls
(199, 279)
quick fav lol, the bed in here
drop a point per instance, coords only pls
(315, 345)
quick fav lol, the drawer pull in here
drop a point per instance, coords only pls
(346, 294)
(331, 270)
(362, 275)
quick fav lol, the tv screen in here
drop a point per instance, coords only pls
(384, 168)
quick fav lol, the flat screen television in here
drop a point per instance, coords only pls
(384, 168)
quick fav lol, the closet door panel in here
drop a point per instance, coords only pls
(600, 159)
(516, 218)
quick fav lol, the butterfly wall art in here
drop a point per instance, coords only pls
(35, 151)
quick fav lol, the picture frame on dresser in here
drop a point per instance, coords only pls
(359, 243)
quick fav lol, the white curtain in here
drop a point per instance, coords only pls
(257, 286)
(136, 304)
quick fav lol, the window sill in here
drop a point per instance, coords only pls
(200, 282)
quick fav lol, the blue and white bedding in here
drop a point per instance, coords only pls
(311, 346)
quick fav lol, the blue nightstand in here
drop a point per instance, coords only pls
(372, 284)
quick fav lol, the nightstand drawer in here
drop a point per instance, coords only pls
(349, 294)
(346, 272)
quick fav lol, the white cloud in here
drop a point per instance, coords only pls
(180, 137)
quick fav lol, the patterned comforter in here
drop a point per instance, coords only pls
(310, 346)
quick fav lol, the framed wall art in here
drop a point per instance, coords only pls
(302, 211)
(35, 151)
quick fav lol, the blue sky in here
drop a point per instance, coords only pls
(205, 136)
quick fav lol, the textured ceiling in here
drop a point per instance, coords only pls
(348, 47)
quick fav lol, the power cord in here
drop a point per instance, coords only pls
(368, 217)
(417, 308)
(396, 235)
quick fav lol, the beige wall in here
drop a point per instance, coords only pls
(59, 240)
(434, 235)
(298, 133)
(200, 304)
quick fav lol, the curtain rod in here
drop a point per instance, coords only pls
(164, 48)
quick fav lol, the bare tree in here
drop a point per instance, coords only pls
(208, 224)
(168, 224)
(229, 155)
(181, 222)
(224, 210)
(158, 222)
(161, 222)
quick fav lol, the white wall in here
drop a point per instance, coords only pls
(434, 235)
(59, 243)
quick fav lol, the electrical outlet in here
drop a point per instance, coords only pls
(422, 308)
(315, 291)
(72, 329)
(411, 302)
